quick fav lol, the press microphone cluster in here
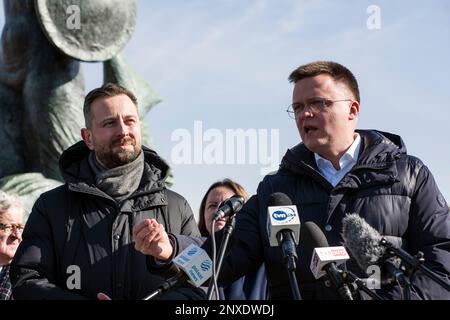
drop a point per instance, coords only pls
(195, 266)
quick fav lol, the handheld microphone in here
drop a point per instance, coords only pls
(364, 243)
(325, 259)
(196, 269)
(229, 207)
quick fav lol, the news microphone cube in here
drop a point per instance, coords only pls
(280, 218)
(195, 263)
(323, 256)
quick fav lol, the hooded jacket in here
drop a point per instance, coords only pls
(78, 240)
(393, 191)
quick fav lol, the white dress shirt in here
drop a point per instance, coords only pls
(346, 163)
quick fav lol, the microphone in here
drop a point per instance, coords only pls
(369, 247)
(365, 245)
(283, 229)
(229, 207)
(196, 269)
(325, 259)
(282, 217)
(283, 224)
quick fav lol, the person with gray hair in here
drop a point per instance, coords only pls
(11, 227)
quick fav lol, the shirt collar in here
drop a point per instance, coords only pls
(350, 156)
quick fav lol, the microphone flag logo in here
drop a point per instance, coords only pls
(285, 214)
(206, 265)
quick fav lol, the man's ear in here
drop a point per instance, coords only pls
(354, 111)
(87, 138)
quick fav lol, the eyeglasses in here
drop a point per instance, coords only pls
(10, 228)
(315, 106)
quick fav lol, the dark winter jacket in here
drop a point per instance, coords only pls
(394, 192)
(78, 240)
(249, 287)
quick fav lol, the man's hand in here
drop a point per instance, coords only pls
(151, 239)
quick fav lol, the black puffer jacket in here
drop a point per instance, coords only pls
(79, 225)
(392, 191)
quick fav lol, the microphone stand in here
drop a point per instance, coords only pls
(228, 230)
(338, 281)
(400, 278)
(349, 276)
(167, 285)
(289, 258)
(415, 262)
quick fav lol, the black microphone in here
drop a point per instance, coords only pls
(283, 226)
(229, 207)
(312, 237)
(283, 229)
(365, 245)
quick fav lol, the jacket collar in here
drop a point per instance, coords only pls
(76, 172)
(378, 153)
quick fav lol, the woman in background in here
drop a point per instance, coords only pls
(251, 287)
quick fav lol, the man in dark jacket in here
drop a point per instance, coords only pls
(78, 241)
(338, 170)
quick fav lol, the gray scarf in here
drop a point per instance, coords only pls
(119, 182)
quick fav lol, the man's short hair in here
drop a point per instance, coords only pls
(337, 71)
(107, 90)
(8, 201)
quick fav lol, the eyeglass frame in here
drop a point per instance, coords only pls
(12, 228)
(291, 111)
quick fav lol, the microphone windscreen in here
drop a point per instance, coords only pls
(279, 199)
(236, 202)
(311, 236)
(362, 240)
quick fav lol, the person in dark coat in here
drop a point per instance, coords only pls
(77, 243)
(252, 286)
(11, 227)
(334, 171)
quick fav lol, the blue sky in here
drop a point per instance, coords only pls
(226, 63)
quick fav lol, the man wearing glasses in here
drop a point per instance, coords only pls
(11, 227)
(334, 171)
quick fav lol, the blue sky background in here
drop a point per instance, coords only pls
(226, 63)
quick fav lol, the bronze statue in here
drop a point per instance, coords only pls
(42, 85)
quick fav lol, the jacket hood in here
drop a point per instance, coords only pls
(378, 149)
(75, 169)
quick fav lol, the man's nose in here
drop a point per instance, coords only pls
(122, 128)
(16, 234)
(306, 113)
